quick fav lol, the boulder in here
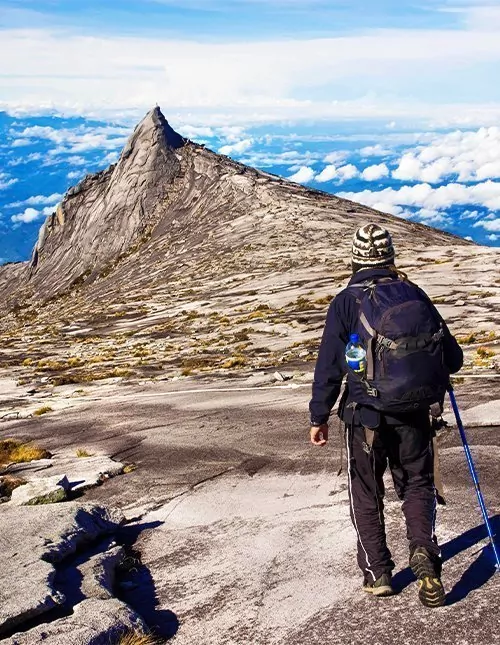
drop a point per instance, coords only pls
(32, 540)
(94, 622)
(41, 490)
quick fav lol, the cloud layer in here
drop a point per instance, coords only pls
(256, 80)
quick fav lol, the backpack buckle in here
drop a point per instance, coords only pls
(371, 391)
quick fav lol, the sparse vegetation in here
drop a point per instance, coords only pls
(484, 352)
(51, 366)
(14, 451)
(324, 301)
(477, 337)
(82, 453)
(137, 638)
(129, 468)
(8, 483)
(235, 361)
(43, 410)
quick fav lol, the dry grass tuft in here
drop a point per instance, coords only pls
(82, 453)
(43, 410)
(484, 352)
(137, 638)
(235, 361)
(13, 451)
(129, 468)
(8, 483)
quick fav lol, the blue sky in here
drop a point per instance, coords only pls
(229, 19)
(396, 104)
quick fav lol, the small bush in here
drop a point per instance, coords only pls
(43, 410)
(129, 468)
(27, 362)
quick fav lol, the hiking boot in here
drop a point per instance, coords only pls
(428, 571)
(381, 587)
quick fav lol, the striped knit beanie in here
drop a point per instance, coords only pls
(372, 246)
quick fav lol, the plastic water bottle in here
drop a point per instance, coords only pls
(355, 354)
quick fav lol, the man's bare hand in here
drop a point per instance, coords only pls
(319, 434)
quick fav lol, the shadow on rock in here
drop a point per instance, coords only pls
(136, 586)
(479, 572)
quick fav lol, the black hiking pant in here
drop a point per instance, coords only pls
(408, 451)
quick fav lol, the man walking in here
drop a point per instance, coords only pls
(403, 356)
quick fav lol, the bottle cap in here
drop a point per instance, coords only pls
(354, 339)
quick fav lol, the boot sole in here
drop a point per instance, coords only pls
(381, 592)
(431, 592)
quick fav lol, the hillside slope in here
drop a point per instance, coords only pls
(177, 259)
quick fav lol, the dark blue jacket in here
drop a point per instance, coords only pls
(341, 321)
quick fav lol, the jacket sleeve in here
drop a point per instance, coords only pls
(453, 354)
(331, 366)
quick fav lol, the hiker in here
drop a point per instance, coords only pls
(400, 354)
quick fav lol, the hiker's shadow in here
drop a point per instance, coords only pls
(137, 587)
(479, 572)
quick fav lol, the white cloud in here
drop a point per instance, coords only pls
(375, 172)
(34, 156)
(424, 196)
(6, 180)
(335, 157)
(230, 133)
(76, 174)
(492, 225)
(375, 151)
(195, 132)
(111, 157)
(327, 174)
(70, 141)
(238, 148)
(18, 143)
(75, 160)
(303, 175)
(347, 172)
(31, 215)
(386, 207)
(343, 173)
(236, 83)
(37, 200)
(493, 237)
(466, 155)
(288, 158)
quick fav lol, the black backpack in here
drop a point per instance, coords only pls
(403, 339)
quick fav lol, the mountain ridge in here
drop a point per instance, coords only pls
(159, 182)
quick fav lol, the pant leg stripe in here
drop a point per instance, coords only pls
(368, 565)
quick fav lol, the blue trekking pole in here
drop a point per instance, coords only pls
(473, 473)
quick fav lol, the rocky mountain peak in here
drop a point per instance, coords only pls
(154, 129)
(173, 209)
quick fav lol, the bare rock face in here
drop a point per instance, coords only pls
(107, 212)
(168, 197)
(41, 490)
(178, 260)
(33, 540)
